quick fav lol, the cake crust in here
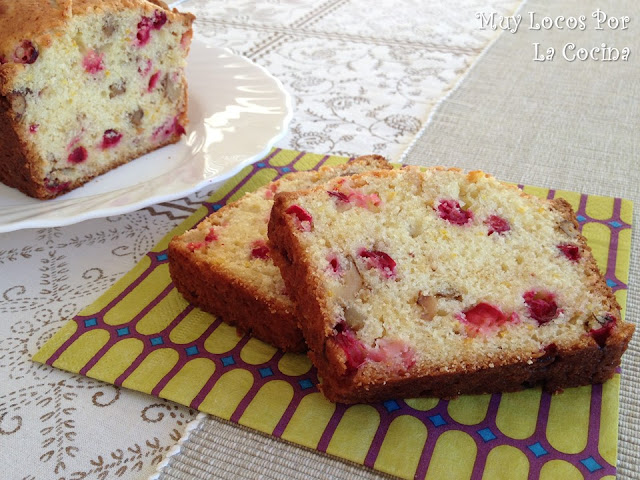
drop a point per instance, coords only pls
(237, 303)
(16, 171)
(554, 367)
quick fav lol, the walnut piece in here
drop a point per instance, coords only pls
(136, 117)
(429, 305)
(116, 89)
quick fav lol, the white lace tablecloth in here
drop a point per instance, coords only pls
(364, 77)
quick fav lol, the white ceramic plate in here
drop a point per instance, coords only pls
(237, 112)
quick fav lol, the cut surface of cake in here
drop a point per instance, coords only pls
(440, 283)
(85, 86)
(224, 264)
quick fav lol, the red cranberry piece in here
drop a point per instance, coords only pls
(497, 224)
(144, 31)
(56, 187)
(25, 53)
(159, 19)
(380, 260)
(185, 39)
(334, 267)
(393, 351)
(260, 250)
(338, 195)
(146, 24)
(408, 358)
(33, 128)
(451, 211)
(195, 245)
(110, 138)
(364, 200)
(354, 350)
(485, 316)
(271, 191)
(542, 306)
(303, 218)
(601, 334)
(78, 155)
(152, 81)
(92, 62)
(572, 252)
(171, 127)
(211, 236)
(3, 59)
(334, 263)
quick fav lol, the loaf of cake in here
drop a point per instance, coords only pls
(224, 264)
(86, 86)
(440, 283)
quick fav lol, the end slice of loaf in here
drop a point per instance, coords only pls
(224, 265)
(440, 283)
(86, 86)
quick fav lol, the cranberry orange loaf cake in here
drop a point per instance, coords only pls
(442, 283)
(85, 86)
(224, 265)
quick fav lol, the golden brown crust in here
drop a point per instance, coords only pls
(16, 171)
(307, 294)
(553, 373)
(217, 292)
(555, 369)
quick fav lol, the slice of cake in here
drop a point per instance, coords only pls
(224, 265)
(85, 86)
(441, 283)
